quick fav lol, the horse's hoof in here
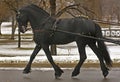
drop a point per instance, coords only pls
(105, 74)
(75, 74)
(57, 75)
(26, 71)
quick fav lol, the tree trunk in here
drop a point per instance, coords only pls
(14, 25)
(19, 39)
(53, 11)
(53, 7)
(0, 28)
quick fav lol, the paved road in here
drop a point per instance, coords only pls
(87, 75)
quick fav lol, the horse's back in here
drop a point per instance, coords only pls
(74, 25)
(77, 25)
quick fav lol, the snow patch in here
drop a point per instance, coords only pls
(43, 59)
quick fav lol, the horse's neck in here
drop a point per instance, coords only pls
(44, 24)
(37, 21)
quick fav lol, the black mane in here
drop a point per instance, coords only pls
(34, 8)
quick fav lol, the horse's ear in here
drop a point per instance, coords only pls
(18, 12)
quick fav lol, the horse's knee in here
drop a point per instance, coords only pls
(83, 58)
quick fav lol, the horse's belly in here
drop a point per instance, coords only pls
(61, 40)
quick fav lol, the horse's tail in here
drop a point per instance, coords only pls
(102, 47)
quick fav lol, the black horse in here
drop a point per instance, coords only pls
(45, 33)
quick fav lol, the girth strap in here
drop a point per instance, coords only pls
(54, 27)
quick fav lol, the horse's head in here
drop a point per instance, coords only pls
(33, 14)
(22, 20)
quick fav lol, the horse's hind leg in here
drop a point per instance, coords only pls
(28, 66)
(58, 71)
(81, 49)
(99, 55)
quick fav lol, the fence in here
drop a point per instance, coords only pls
(111, 33)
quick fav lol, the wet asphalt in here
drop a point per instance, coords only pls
(86, 75)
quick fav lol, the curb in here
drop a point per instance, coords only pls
(48, 65)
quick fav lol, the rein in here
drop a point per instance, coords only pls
(86, 36)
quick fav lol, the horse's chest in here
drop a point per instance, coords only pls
(41, 37)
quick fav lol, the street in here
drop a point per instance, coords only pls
(41, 75)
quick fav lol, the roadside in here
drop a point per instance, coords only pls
(47, 65)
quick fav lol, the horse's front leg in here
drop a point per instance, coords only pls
(28, 66)
(58, 71)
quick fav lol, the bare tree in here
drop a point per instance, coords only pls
(93, 5)
(53, 12)
(12, 5)
(0, 28)
(4, 13)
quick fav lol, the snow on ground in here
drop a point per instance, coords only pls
(66, 53)
(6, 28)
(62, 58)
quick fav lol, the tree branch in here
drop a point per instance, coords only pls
(10, 5)
(74, 7)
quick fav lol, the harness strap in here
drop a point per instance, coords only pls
(54, 27)
(55, 24)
